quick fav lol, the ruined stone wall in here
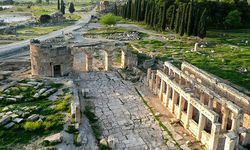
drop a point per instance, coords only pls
(220, 88)
(204, 105)
(45, 56)
(128, 59)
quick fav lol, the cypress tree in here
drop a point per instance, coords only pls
(202, 24)
(164, 11)
(128, 11)
(115, 10)
(58, 4)
(190, 20)
(172, 13)
(152, 12)
(146, 18)
(182, 19)
(62, 7)
(143, 8)
(178, 18)
(196, 21)
(138, 12)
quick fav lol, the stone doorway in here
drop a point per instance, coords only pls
(57, 70)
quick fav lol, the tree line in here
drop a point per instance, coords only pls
(182, 17)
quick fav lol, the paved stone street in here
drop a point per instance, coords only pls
(126, 122)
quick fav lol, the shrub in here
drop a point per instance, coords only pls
(14, 91)
(108, 19)
(44, 18)
(32, 126)
(62, 106)
(71, 129)
(233, 19)
(53, 121)
(48, 125)
(71, 8)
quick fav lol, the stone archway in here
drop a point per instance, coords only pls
(108, 56)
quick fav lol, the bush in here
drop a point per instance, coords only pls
(108, 19)
(233, 19)
(32, 126)
(44, 18)
(48, 125)
(71, 8)
(71, 129)
(62, 106)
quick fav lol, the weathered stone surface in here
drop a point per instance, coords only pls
(33, 117)
(18, 120)
(55, 138)
(104, 142)
(5, 120)
(9, 125)
(126, 123)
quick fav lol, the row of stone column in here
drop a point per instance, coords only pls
(154, 81)
(202, 97)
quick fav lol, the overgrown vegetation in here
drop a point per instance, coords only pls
(186, 17)
(51, 116)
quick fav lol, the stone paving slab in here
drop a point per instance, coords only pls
(127, 123)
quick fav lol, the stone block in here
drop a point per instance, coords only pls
(5, 120)
(33, 117)
(9, 125)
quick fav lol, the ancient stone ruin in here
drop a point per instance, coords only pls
(215, 113)
(50, 58)
(103, 5)
(55, 57)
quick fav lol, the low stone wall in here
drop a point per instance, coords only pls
(75, 106)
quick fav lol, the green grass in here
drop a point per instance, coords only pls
(223, 58)
(52, 123)
(107, 30)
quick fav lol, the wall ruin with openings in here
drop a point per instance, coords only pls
(211, 112)
(50, 58)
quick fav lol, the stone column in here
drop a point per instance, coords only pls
(161, 89)
(201, 125)
(181, 106)
(108, 61)
(157, 83)
(152, 81)
(235, 121)
(214, 138)
(89, 61)
(225, 113)
(148, 74)
(202, 97)
(165, 101)
(231, 140)
(168, 94)
(124, 59)
(189, 114)
(210, 103)
(196, 46)
(174, 97)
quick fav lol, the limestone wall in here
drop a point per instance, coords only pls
(45, 56)
(214, 119)
(222, 89)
